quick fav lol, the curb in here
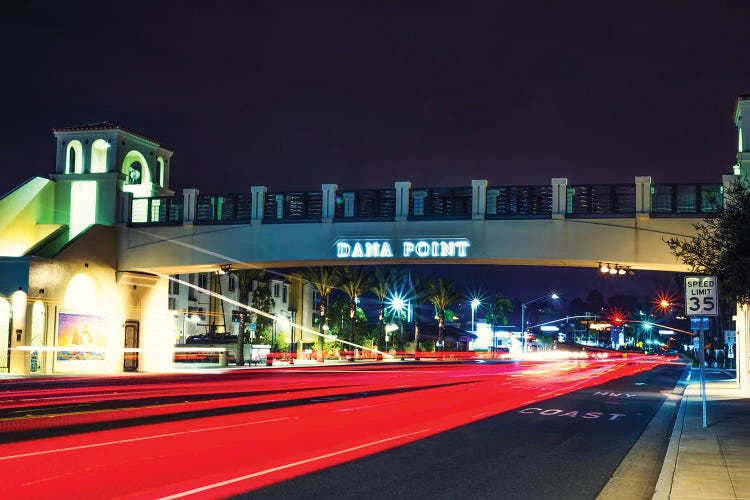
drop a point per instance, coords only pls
(664, 483)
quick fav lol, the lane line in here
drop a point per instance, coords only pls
(144, 438)
(287, 466)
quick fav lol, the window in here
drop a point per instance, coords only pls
(203, 280)
(286, 294)
(232, 282)
(276, 290)
(172, 304)
(174, 287)
(198, 311)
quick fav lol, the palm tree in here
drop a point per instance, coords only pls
(324, 279)
(381, 287)
(497, 313)
(419, 291)
(245, 278)
(355, 281)
(442, 294)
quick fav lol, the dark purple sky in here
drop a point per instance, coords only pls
(294, 94)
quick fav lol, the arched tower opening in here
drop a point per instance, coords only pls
(74, 158)
(99, 149)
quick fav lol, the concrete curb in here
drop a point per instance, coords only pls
(664, 483)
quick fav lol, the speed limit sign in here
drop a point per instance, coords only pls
(701, 296)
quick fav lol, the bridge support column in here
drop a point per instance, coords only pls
(478, 198)
(559, 197)
(402, 200)
(329, 202)
(189, 205)
(258, 194)
(643, 197)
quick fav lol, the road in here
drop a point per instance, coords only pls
(427, 430)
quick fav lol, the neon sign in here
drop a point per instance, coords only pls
(385, 249)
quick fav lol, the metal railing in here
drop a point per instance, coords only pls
(686, 198)
(601, 199)
(440, 202)
(234, 208)
(293, 206)
(513, 201)
(366, 204)
(161, 210)
(597, 200)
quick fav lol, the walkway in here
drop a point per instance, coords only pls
(711, 462)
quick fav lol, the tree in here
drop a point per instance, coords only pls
(354, 282)
(722, 244)
(497, 312)
(442, 293)
(325, 280)
(245, 278)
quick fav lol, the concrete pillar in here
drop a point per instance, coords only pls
(18, 358)
(742, 356)
(259, 204)
(329, 202)
(402, 200)
(478, 198)
(643, 196)
(189, 205)
(559, 197)
(124, 207)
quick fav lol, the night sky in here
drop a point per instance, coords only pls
(292, 95)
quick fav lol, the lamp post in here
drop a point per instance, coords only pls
(474, 304)
(553, 296)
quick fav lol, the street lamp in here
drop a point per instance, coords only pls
(475, 302)
(553, 296)
(398, 304)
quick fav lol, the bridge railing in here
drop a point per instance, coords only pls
(668, 199)
(524, 201)
(600, 199)
(229, 209)
(294, 206)
(440, 202)
(365, 204)
(499, 202)
(160, 210)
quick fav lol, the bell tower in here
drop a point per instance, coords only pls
(97, 162)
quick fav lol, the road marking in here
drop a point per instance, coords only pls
(144, 438)
(570, 413)
(287, 466)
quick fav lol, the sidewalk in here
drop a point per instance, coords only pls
(711, 462)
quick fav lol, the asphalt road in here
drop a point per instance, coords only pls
(429, 430)
(563, 448)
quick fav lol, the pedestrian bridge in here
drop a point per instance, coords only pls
(559, 224)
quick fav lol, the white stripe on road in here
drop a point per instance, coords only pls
(287, 466)
(144, 438)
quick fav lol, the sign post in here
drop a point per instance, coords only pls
(701, 299)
